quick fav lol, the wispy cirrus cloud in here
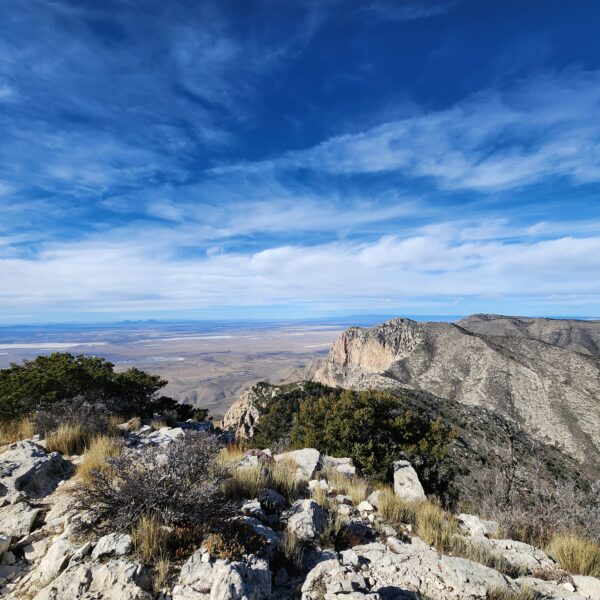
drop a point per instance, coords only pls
(545, 126)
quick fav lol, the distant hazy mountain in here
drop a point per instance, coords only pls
(572, 334)
(526, 369)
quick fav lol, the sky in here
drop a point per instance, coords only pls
(298, 158)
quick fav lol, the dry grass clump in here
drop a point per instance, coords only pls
(157, 424)
(16, 430)
(101, 448)
(435, 526)
(505, 594)
(134, 424)
(162, 568)
(355, 487)
(293, 549)
(230, 454)
(394, 510)
(150, 538)
(246, 483)
(282, 478)
(576, 554)
(68, 439)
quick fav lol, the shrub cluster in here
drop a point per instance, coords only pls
(48, 381)
(374, 428)
(180, 485)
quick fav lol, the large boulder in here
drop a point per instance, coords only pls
(26, 468)
(406, 482)
(17, 520)
(116, 579)
(474, 526)
(306, 520)
(341, 465)
(587, 586)
(406, 571)
(308, 461)
(55, 560)
(205, 578)
(521, 556)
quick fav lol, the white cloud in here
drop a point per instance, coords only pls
(130, 275)
(545, 126)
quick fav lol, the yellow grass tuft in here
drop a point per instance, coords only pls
(134, 424)
(576, 554)
(355, 487)
(394, 510)
(68, 439)
(162, 567)
(149, 538)
(293, 549)
(231, 454)
(16, 430)
(101, 448)
(157, 424)
(435, 526)
(524, 593)
(246, 483)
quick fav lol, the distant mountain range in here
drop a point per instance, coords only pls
(542, 373)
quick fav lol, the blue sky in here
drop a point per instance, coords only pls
(298, 158)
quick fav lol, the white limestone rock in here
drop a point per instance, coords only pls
(26, 468)
(117, 579)
(205, 578)
(587, 586)
(401, 573)
(307, 459)
(306, 520)
(113, 544)
(17, 520)
(406, 482)
(474, 526)
(341, 465)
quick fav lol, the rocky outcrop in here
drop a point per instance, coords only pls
(27, 469)
(205, 578)
(549, 391)
(305, 520)
(406, 482)
(572, 334)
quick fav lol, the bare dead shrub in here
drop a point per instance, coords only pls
(181, 484)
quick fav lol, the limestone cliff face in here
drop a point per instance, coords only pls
(553, 392)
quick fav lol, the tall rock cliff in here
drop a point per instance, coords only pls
(551, 391)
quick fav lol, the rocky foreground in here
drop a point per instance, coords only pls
(44, 557)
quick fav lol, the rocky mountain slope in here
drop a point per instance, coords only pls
(347, 544)
(572, 334)
(552, 392)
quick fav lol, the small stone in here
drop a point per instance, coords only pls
(113, 544)
(365, 506)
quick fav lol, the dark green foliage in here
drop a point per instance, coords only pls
(281, 405)
(374, 428)
(38, 384)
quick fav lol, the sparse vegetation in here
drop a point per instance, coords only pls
(180, 484)
(395, 510)
(16, 430)
(293, 550)
(248, 482)
(157, 424)
(435, 526)
(232, 540)
(576, 554)
(150, 538)
(355, 487)
(522, 594)
(68, 439)
(100, 450)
